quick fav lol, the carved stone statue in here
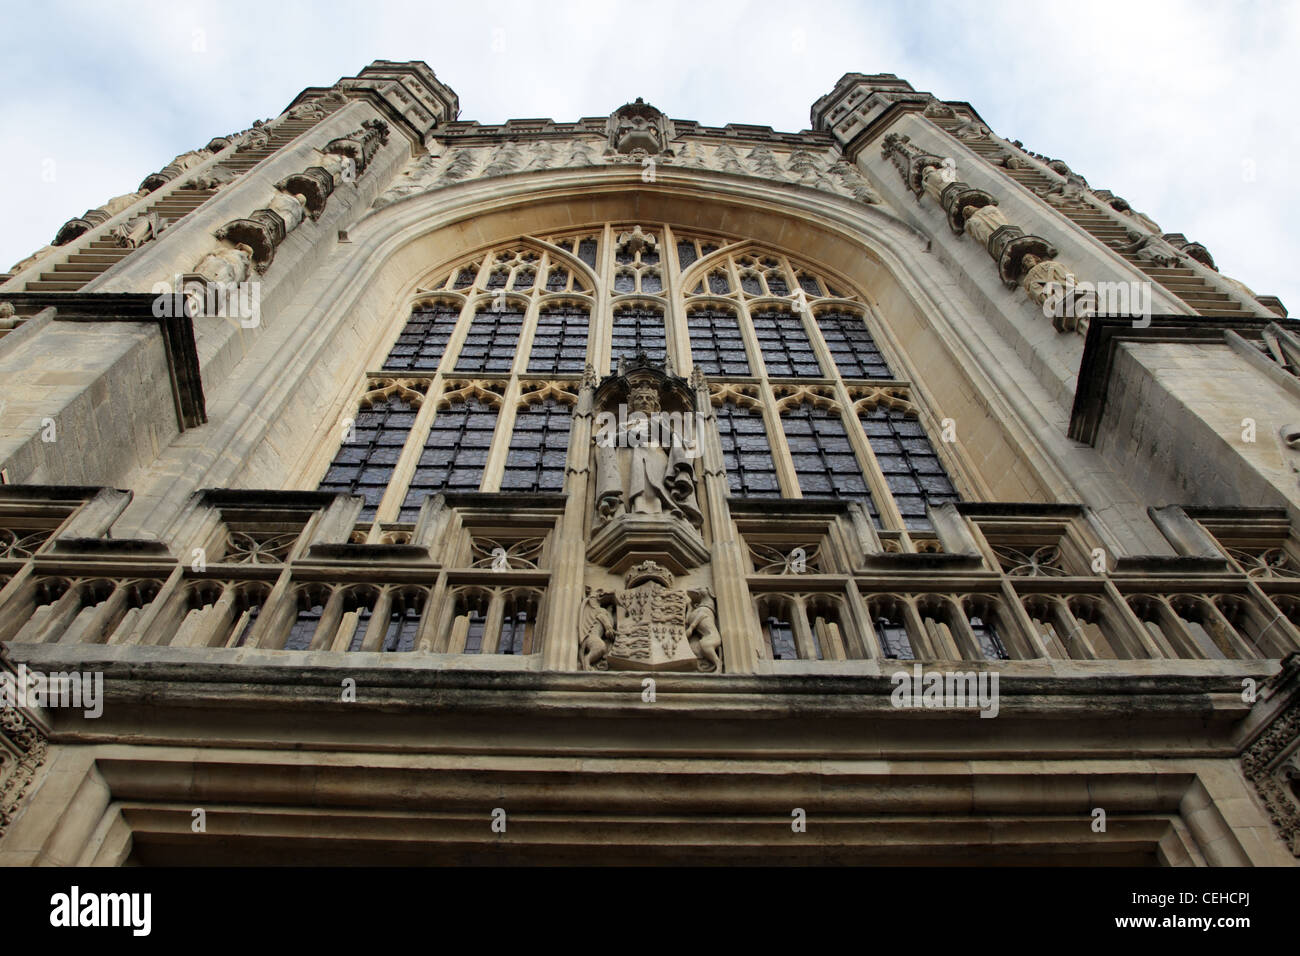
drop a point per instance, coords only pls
(595, 630)
(983, 222)
(645, 464)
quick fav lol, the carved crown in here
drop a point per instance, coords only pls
(648, 571)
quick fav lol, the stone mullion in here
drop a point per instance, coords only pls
(63, 611)
(786, 478)
(602, 311)
(278, 611)
(214, 621)
(886, 508)
(97, 624)
(1281, 634)
(565, 590)
(328, 625)
(803, 637)
(737, 622)
(1137, 636)
(1016, 611)
(492, 622)
(679, 340)
(379, 621)
(862, 642)
(390, 505)
(494, 468)
(431, 622)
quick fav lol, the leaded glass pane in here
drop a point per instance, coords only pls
(746, 452)
(492, 340)
(910, 465)
(823, 457)
(538, 448)
(423, 340)
(364, 463)
(560, 342)
(717, 346)
(454, 453)
(639, 329)
(785, 346)
(852, 347)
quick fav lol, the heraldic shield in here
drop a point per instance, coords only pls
(651, 626)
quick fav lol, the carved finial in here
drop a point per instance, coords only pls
(589, 377)
(697, 378)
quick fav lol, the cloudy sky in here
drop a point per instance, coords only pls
(1182, 108)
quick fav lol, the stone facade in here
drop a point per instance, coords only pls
(398, 476)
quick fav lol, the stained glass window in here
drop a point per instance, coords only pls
(538, 448)
(746, 452)
(560, 342)
(639, 329)
(717, 347)
(822, 456)
(492, 340)
(364, 462)
(454, 453)
(910, 465)
(424, 339)
(852, 348)
(786, 348)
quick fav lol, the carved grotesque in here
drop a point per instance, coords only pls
(639, 126)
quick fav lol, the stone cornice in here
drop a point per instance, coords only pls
(1106, 333)
(177, 333)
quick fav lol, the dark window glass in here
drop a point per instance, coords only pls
(304, 627)
(587, 252)
(365, 463)
(776, 284)
(909, 463)
(780, 637)
(625, 282)
(465, 278)
(750, 285)
(893, 636)
(686, 254)
(524, 279)
(492, 340)
(852, 347)
(557, 280)
(810, 285)
(716, 343)
(639, 329)
(718, 283)
(986, 634)
(454, 453)
(423, 340)
(651, 282)
(823, 457)
(497, 280)
(785, 345)
(538, 448)
(514, 628)
(560, 343)
(474, 636)
(746, 452)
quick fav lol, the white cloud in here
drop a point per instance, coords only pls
(1163, 103)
